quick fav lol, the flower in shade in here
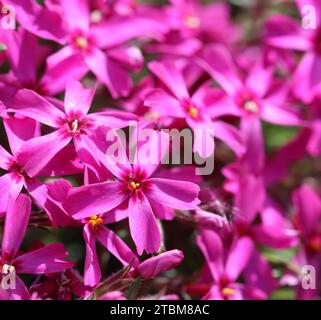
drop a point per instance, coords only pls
(60, 286)
(286, 33)
(308, 220)
(225, 265)
(197, 109)
(86, 45)
(48, 259)
(255, 97)
(25, 56)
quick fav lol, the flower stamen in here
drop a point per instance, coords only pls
(193, 112)
(228, 291)
(95, 221)
(134, 185)
(192, 22)
(81, 43)
(251, 106)
(74, 126)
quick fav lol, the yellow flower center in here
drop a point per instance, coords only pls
(193, 112)
(251, 106)
(192, 22)
(95, 221)
(81, 42)
(134, 185)
(228, 292)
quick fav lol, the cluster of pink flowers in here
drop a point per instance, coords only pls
(74, 70)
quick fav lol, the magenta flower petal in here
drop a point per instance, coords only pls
(254, 156)
(275, 237)
(20, 130)
(42, 194)
(65, 162)
(307, 77)
(154, 266)
(20, 292)
(92, 273)
(314, 144)
(239, 255)
(10, 186)
(111, 74)
(275, 231)
(130, 57)
(121, 29)
(116, 246)
(285, 32)
(218, 63)
(5, 157)
(77, 14)
(32, 105)
(4, 294)
(77, 98)
(204, 143)
(164, 103)
(308, 204)
(62, 67)
(230, 135)
(23, 59)
(113, 118)
(258, 273)
(249, 206)
(173, 193)
(171, 77)
(39, 20)
(15, 226)
(212, 249)
(280, 115)
(48, 259)
(143, 225)
(260, 78)
(97, 145)
(36, 153)
(94, 199)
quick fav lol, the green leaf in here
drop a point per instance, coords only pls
(283, 294)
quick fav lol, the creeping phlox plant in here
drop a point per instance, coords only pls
(160, 149)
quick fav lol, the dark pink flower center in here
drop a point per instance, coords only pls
(135, 181)
(81, 42)
(76, 123)
(226, 290)
(191, 109)
(16, 168)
